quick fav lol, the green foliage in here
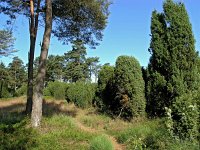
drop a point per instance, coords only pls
(172, 70)
(101, 143)
(63, 134)
(96, 121)
(4, 81)
(17, 74)
(4, 93)
(76, 69)
(151, 135)
(103, 93)
(16, 135)
(93, 67)
(148, 135)
(85, 20)
(21, 91)
(7, 43)
(56, 89)
(54, 68)
(81, 93)
(128, 90)
(182, 119)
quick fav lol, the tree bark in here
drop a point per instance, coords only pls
(33, 35)
(36, 114)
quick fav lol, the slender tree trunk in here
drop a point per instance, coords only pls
(15, 87)
(33, 35)
(36, 114)
(1, 88)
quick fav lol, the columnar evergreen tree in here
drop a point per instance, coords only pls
(129, 93)
(104, 89)
(172, 69)
(157, 69)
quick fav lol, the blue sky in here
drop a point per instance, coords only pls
(127, 32)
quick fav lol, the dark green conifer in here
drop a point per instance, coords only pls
(172, 70)
(104, 88)
(129, 100)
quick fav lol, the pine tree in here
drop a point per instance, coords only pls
(76, 68)
(92, 67)
(6, 43)
(55, 66)
(17, 73)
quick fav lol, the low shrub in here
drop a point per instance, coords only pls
(56, 89)
(182, 118)
(16, 135)
(101, 143)
(152, 135)
(81, 94)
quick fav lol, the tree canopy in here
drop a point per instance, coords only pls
(6, 43)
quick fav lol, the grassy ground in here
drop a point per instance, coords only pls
(65, 126)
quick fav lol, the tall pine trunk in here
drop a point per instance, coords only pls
(33, 35)
(36, 114)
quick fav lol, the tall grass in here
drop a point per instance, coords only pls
(14, 132)
(61, 133)
(101, 142)
(152, 135)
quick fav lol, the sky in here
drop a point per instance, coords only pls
(127, 32)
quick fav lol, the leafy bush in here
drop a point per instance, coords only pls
(56, 89)
(21, 91)
(182, 119)
(81, 93)
(16, 136)
(129, 100)
(101, 143)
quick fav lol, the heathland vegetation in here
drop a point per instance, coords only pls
(75, 103)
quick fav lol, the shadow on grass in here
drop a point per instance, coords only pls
(52, 108)
(14, 112)
(15, 128)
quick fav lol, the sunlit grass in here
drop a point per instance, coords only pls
(60, 132)
(101, 142)
(66, 127)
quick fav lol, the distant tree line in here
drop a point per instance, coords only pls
(73, 66)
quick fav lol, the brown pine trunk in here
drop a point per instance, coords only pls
(36, 114)
(33, 35)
